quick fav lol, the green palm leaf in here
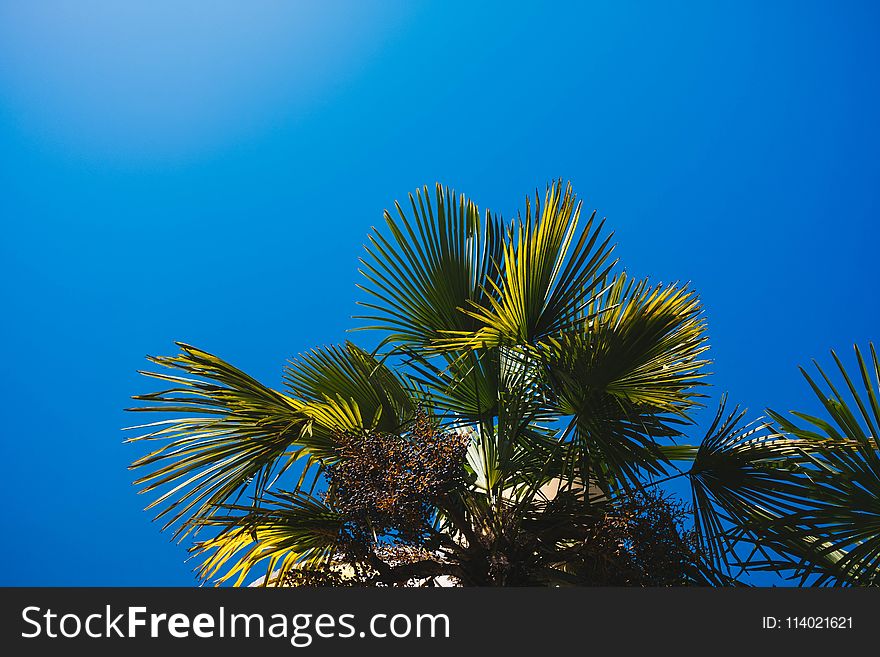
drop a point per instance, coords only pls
(837, 534)
(807, 498)
(628, 377)
(462, 386)
(242, 433)
(343, 388)
(287, 531)
(436, 261)
(547, 276)
(743, 476)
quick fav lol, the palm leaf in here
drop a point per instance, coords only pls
(628, 377)
(463, 387)
(242, 433)
(343, 388)
(743, 475)
(547, 276)
(436, 261)
(837, 534)
(288, 530)
(787, 497)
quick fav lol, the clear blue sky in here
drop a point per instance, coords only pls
(207, 172)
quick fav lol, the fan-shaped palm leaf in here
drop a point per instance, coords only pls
(464, 387)
(628, 377)
(743, 476)
(242, 433)
(548, 275)
(287, 530)
(837, 533)
(437, 261)
(809, 495)
(343, 388)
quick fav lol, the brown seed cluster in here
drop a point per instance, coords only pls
(388, 483)
(639, 542)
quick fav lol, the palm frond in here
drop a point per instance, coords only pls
(287, 531)
(795, 500)
(343, 388)
(241, 433)
(548, 274)
(438, 260)
(743, 475)
(628, 377)
(464, 387)
(837, 534)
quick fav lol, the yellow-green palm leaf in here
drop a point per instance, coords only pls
(439, 258)
(236, 432)
(549, 272)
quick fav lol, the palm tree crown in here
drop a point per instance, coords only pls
(525, 398)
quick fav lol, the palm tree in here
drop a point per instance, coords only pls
(525, 399)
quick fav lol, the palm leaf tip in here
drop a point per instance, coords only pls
(235, 433)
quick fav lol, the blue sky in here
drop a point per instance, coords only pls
(170, 171)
